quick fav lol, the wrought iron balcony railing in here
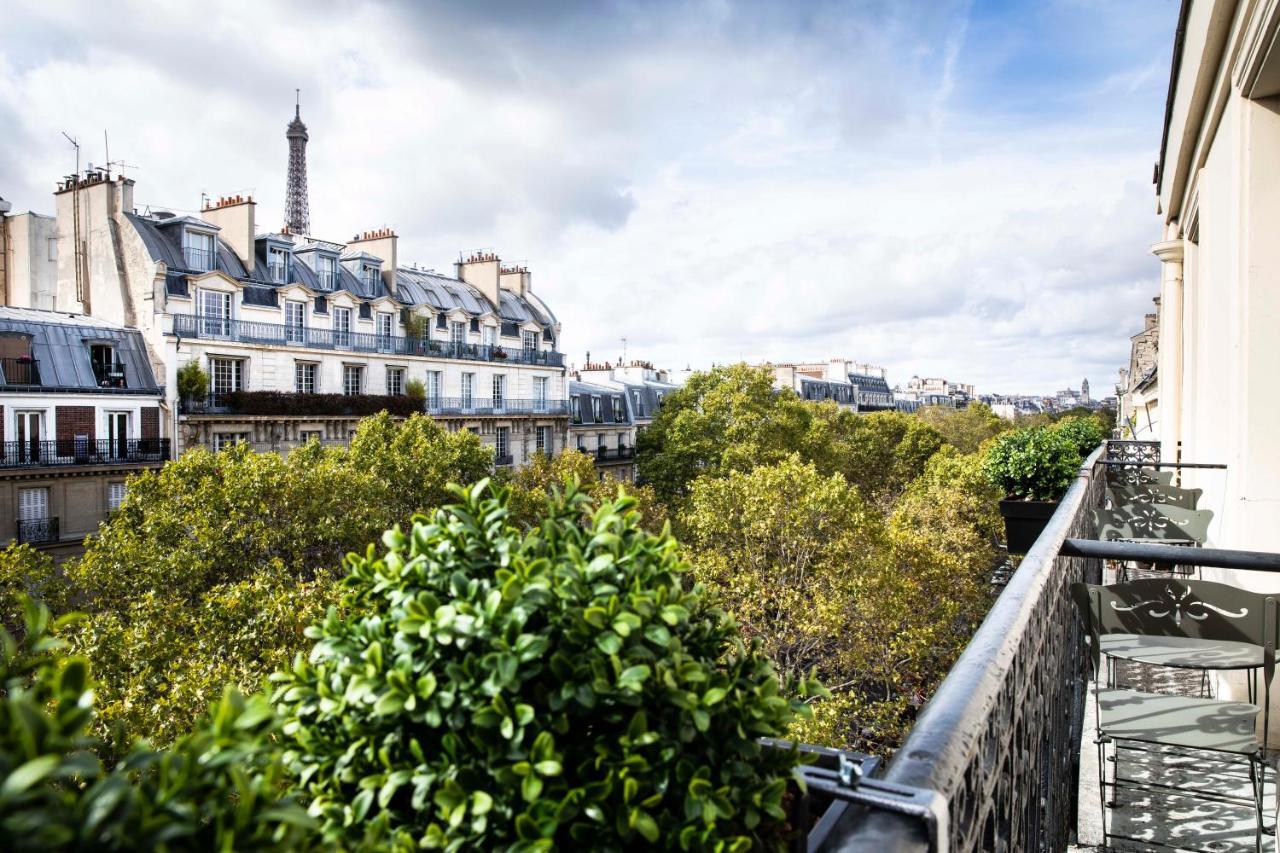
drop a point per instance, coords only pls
(110, 375)
(20, 371)
(37, 531)
(201, 260)
(503, 460)
(343, 405)
(76, 451)
(278, 334)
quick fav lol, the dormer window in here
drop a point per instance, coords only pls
(278, 264)
(327, 271)
(197, 250)
(371, 276)
(108, 371)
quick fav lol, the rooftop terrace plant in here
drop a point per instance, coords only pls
(568, 688)
(1034, 464)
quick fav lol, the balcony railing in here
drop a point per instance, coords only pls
(76, 451)
(277, 334)
(201, 260)
(37, 531)
(20, 371)
(110, 375)
(503, 460)
(993, 760)
(501, 406)
(605, 454)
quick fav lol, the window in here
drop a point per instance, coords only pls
(118, 435)
(488, 335)
(595, 410)
(29, 433)
(304, 377)
(575, 408)
(227, 440)
(197, 250)
(294, 312)
(226, 375)
(108, 371)
(352, 379)
(457, 332)
(309, 435)
(540, 393)
(371, 277)
(543, 440)
(619, 410)
(468, 388)
(215, 311)
(278, 264)
(342, 327)
(499, 390)
(502, 443)
(385, 321)
(53, 248)
(33, 506)
(327, 270)
(435, 379)
(530, 341)
(622, 440)
(395, 381)
(115, 495)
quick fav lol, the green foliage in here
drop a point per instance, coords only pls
(533, 484)
(965, 429)
(564, 688)
(193, 381)
(1036, 463)
(882, 452)
(28, 573)
(290, 403)
(416, 326)
(1084, 432)
(216, 789)
(415, 389)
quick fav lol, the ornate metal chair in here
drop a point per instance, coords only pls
(1230, 625)
(1153, 522)
(1134, 476)
(1133, 494)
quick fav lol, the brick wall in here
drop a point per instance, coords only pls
(150, 422)
(71, 422)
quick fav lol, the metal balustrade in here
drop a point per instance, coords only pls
(79, 451)
(278, 334)
(341, 405)
(20, 371)
(37, 531)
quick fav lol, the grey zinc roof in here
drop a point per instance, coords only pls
(59, 344)
(585, 390)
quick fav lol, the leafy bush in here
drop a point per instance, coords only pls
(561, 689)
(28, 573)
(1038, 463)
(1083, 431)
(531, 485)
(289, 403)
(415, 389)
(965, 429)
(193, 381)
(218, 788)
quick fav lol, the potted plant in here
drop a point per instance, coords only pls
(499, 353)
(1034, 467)
(193, 384)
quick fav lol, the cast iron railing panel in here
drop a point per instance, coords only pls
(37, 531)
(20, 371)
(1138, 452)
(215, 404)
(79, 451)
(1000, 739)
(278, 334)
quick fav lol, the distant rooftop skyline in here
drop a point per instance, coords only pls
(954, 189)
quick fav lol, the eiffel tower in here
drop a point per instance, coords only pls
(297, 212)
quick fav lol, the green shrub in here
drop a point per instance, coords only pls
(193, 381)
(1084, 432)
(28, 573)
(566, 689)
(216, 789)
(415, 389)
(1036, 464)
(290, 403)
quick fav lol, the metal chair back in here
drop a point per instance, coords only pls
(1174, 607)
(1153, 493)
(1153, 521)
(1125, 475)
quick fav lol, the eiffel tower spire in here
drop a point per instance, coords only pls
(297, 214)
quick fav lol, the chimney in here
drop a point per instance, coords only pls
(234, 217)
(380, 243)
(482, 270)
(515, 279)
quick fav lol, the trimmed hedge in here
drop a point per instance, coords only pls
(289, 403)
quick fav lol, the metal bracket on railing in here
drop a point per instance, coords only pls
(849, 784)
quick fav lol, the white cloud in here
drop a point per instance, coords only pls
(712, 180)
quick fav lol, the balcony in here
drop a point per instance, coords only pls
(290, 403)
(503, 460)
(20, 371)
(37, 531)
(110, 374)
(1005, 755)
(278, 334)
(614, 454)
(75, 451)
(200, 260)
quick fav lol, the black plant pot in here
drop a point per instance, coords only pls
(1024, 521)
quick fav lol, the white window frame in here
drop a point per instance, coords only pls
(371, 275)
(199, 250)
(295, 321)
(395, 381)
(327, 271)
(543, 439)
(278, 264)
(341, 326)
(384, 326)
(435, 384)
(226, 440)
(499, 387)
(530, 341)
(234, 371)
(540, 393)
(502, 441)
(216, 323)
(116, 493)
(303, 371)
(33, 503)
(489, 335)
(457, 332)
(348, 371)
(468, 390)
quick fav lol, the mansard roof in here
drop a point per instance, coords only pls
(59, 342)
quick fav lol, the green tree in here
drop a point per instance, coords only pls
(882, 452)
(965, 429)
(531, 486)
(564, 688)
(28, 573)
(193, 381)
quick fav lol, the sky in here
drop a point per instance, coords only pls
(943, 188)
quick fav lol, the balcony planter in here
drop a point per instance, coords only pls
(1034, 467)
(500, 354)
(1024, 521)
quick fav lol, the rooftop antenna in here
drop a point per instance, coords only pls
(624, 349)
(106, 145)
(75, 222)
